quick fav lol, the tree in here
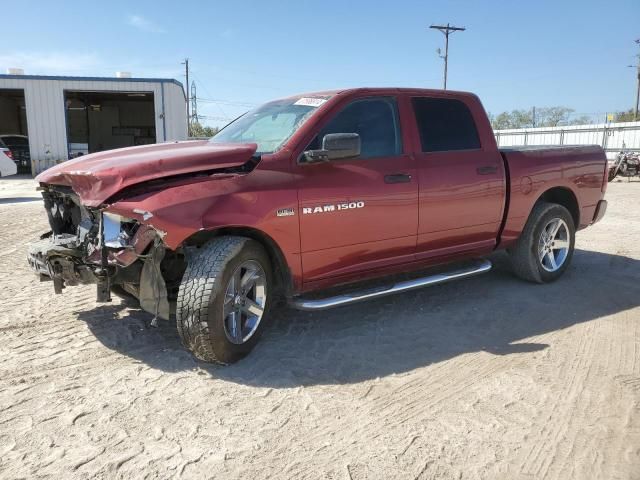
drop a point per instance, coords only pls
(515, 119)
(199, 130)
(523, 118)
(544, 117)
(553, 116)
(501, 122)
(581, 120)
(626, 116)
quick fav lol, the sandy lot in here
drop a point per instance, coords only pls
(489, 378)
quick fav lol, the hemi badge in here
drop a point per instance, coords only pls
(285, 212)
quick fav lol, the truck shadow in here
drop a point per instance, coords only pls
(495, 313)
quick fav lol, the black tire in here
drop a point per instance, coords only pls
(612, 174)
(525, 260)
(199, 310)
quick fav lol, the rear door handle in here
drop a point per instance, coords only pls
(397, 178)
(488, 170)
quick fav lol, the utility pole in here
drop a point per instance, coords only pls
(186, 71)
(533, 116)
(446, 30)
(635, 112)
(194, 104)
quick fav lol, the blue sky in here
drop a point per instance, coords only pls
(513, 54)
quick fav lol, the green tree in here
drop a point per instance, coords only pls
(199, 130)
(581, 120)
(500, 122)
(553, 116)
(626, 116)
(544, 117)
(513, 119)
(522, 118)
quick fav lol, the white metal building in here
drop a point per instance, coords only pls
(68, 116)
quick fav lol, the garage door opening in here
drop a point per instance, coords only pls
(13, 127)
(98, 121)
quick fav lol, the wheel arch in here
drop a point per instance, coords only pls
(282, 272)
(562, 196)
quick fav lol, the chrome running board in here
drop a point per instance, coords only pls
(475, 268)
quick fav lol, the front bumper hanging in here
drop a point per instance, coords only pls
(57, 258)
(115, 256)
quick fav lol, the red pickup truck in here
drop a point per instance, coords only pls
(312, 198)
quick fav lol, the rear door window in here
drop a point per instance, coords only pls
(445, 124)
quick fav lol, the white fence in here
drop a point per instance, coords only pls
(613, 137)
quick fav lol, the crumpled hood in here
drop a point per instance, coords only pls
(99, 176)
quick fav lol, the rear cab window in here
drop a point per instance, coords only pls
(377, 122)
(445, 124)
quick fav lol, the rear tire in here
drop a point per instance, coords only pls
(540, 254)
(216, 319)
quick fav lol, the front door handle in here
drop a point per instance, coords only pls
(488, 170)
(397, 178)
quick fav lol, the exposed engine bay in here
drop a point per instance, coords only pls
(92, 246)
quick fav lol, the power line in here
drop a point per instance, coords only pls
(227, 102)
(214, 117)
(218, 102)
(261, 74)
(446, 30)
(204, 87)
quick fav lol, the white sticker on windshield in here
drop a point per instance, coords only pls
(310, 101)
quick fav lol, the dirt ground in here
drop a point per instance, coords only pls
(488, 378)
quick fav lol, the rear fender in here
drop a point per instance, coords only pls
(523, 199)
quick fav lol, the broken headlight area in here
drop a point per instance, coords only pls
(117, 230)
(94, 246)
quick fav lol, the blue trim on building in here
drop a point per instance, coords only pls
(90, 79)
(93, 79)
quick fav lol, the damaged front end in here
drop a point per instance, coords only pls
(94, 246)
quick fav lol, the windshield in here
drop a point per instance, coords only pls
(271, 124)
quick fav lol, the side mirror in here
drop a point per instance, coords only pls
(335, 146)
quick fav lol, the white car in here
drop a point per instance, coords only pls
(19, 147)
(7, 165)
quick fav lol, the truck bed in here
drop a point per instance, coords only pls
(577, 171)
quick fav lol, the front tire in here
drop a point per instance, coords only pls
(223, 300)
(545, 248)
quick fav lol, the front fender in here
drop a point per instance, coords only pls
(229, 202)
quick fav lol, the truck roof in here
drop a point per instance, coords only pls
(384, 91)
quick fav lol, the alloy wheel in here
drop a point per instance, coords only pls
(553, 246)
(244, 302)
